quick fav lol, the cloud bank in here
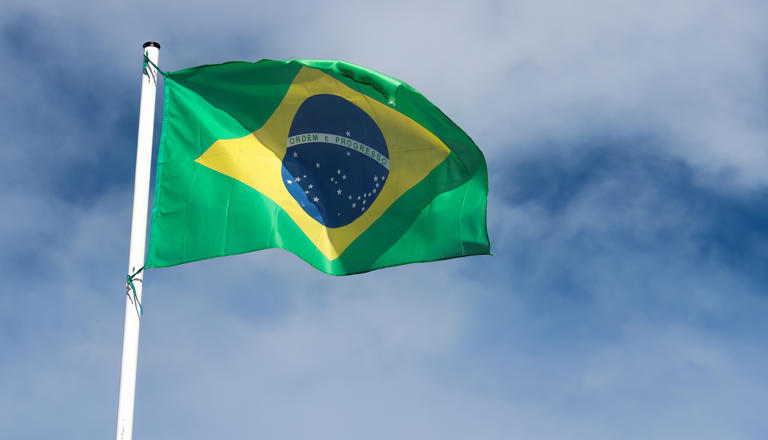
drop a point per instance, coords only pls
(628, 208)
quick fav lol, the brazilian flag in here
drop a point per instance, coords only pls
(347, 168)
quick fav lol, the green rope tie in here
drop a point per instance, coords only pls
(147, 61)
(130, 287)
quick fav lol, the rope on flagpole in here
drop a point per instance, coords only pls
(148, 61)
(129, 287)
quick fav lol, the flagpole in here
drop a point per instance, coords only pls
(138, 242)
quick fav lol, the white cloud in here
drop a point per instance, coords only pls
(514, 74)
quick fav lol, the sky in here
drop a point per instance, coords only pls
(627, 149)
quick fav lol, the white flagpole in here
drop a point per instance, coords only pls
(138, 243)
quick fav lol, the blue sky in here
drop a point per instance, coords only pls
(627, 147)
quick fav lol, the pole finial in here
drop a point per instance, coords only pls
(151, 44)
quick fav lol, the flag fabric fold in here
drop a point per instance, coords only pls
(349, 169)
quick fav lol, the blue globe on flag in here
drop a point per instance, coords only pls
(336, 161)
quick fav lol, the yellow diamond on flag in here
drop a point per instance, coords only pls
(257, 160)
